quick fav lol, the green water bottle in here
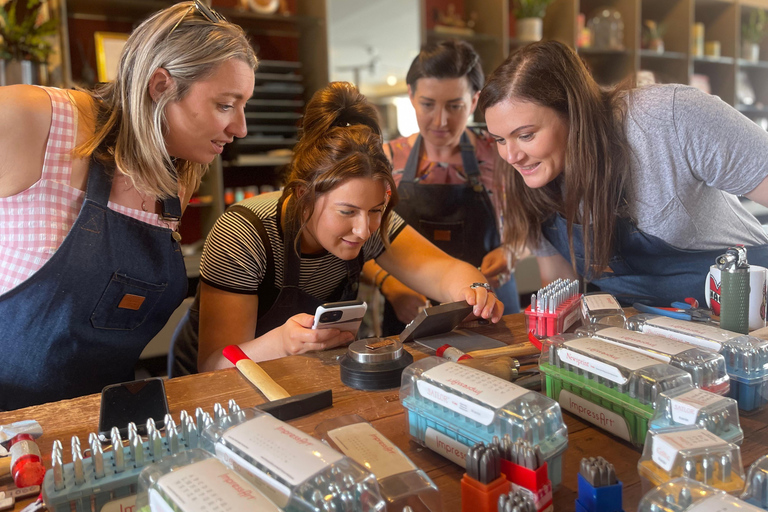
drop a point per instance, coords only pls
(734, 294)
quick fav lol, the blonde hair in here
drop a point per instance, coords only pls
(130, 126)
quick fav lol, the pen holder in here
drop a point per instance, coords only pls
(599, 499)
(535, 480)
(477, 497)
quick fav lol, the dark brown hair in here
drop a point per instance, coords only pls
(551, 75)
(447, 59)
(340, 139)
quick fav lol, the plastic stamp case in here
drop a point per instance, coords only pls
(691, 452)
(746, 357)
(601, 308)
(686, 495)
(402, 484)
(707, 368)
(450, 407)
(610, 386)
(293, 469)
(685, 406)
(756, 490)
(195, 481)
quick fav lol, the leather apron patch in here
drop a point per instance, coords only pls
(130, 301)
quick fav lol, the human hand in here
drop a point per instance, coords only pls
(298, 337)
(407, 303)
(497, 266)
(485, 303)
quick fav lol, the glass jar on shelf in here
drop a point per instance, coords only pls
(607, 27)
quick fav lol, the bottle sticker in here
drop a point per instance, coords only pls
(365, 445)
(210, 485)
(441, 444)
(596, 414)
(686, 407)
(600, 302)
(666, 446)
(723, 503)
(695, 333)
(285, 450)
(481, 386)
(657, 347)
(603, 359)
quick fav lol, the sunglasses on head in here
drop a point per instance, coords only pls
(207, 12)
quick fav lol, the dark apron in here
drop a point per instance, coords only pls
(459, 219)
(644, 265)
(81, 321)
(276, 306)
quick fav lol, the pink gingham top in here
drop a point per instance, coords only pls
(34, 222)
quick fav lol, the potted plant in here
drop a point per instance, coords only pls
(529, 15)
(23, 38)
(653, 36)
(752, 33)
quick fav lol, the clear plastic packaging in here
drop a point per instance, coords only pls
(450, 407)
(686, 495)
(610, 386)
(694, 453)
(707, 368)
(746, 357)
(195, 481)
(402, 484)
(686, 405)
(601, 308)
(293, 469)
(756, 490)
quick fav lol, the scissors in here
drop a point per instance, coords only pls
(679, 310)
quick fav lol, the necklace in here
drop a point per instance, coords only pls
(128, 186)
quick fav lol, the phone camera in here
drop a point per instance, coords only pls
(330, 316)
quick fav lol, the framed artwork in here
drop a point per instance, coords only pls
(109, 47)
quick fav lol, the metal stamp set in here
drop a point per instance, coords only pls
(516, 501)
(553, 308)
(756, 491)
(599, 489)
(686, 495)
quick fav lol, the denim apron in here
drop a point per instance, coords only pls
(81, 321)
(459, 219)
(644, 265)
(276, 306)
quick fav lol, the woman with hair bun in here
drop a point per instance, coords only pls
(92, 186)
(270, 260)
(444, 175)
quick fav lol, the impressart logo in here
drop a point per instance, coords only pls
(384, 446)
(595, 415)
(464, 386)
(450, 450)
(294, 437)
(239, 489)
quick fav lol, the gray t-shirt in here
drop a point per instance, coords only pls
(691, 155)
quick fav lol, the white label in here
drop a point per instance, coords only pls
(210, 485)
(125, 504)
(272, 489)
(686, 407)
(596, 414)
(441, 444)
(157, 503)
(364, 444)
(285, 450)
(723, 503)
(456, 403)
(482, 386)
(600, 302)
(695, 333)
(658, 347)
(666, 446)
(602, 351)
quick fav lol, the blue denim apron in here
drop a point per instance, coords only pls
(644, 265)
(81, 321)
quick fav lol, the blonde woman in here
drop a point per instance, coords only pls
(91, 190)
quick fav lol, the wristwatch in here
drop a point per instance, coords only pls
(481, 285)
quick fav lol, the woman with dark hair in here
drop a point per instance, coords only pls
(633, 189)
(444, 175)
(270, 260)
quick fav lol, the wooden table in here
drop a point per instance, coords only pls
(302, 374)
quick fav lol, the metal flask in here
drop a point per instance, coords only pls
(734, 298)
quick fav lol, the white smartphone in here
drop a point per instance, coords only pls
(346, 316)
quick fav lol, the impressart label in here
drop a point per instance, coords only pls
(596, 414)
(124, 504)
(686, 407)
(209, 485)
(651, 345)
(443, 445)
(602, 358)
(600, 302)
(723, 503)
(695, 333)
(285, 450)
(364, 444)
(666, 446)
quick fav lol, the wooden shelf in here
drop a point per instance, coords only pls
(652, 54)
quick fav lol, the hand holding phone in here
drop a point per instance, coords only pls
(345, 316)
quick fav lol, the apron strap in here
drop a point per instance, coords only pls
(99, 183)
(468, 158)
(412, 164)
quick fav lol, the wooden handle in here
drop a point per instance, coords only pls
(259, 378)
(5, 466)
(519, 350)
